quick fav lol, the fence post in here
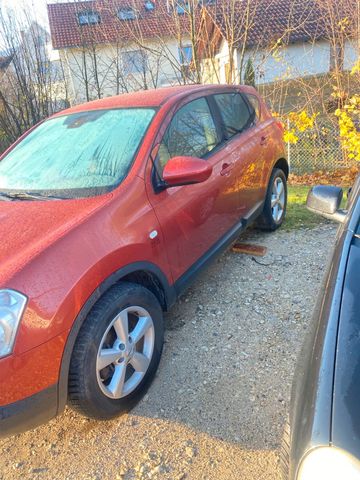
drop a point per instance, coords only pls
(288, 145)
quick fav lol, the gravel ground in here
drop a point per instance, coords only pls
(218, 403)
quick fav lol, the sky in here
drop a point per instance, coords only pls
(37, 7)
(33, 9)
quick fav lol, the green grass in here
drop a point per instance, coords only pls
(297, 215)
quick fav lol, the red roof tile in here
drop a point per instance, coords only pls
(66, 31)
(270, 20)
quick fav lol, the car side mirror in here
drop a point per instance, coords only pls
(186, 171)
(325, 200)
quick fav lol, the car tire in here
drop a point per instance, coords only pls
(284, 454)
(274, 211)
(117, 352)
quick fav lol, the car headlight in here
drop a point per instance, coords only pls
(12, 305)
(329, 463)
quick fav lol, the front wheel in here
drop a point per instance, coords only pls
(117, 352)
(275, 204)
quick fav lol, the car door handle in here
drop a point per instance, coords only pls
(263, 140)
(226, 168)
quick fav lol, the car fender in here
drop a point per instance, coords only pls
(170, 297)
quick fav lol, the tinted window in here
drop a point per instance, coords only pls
(254, 102)
(192, 132)
(235, 113)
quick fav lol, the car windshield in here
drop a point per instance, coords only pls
(75, 155)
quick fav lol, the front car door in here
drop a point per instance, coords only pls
(193, 218)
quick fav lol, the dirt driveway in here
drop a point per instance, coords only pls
(218, 403)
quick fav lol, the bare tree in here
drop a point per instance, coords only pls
(30, 86)
(231, 21)
(110, 56)
(173, 47)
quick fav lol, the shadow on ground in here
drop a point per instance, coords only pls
(218, 403)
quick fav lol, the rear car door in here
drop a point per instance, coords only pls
(244, 146)
(193, 218)
(269, 134)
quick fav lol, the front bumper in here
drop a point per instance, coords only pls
(28, 413)
(22, 375)
(29, 387)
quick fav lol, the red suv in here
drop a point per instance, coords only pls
(108, 210)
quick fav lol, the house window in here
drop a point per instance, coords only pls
(185, 55)
(89, 17)
(134, 62)
(149, 6)
(181, 7)
(127, 13)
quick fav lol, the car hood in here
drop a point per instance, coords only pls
(29, 227)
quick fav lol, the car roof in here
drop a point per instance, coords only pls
(145, 98)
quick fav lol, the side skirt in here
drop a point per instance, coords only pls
(186, 279)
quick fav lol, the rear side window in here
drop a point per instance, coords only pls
(192, 132)
(236, 114)
(254, 102)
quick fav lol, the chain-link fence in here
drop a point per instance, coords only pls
(317, 149)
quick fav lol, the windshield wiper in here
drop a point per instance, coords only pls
(27, 196)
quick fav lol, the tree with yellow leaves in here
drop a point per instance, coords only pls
(298, 122)
(349, 122)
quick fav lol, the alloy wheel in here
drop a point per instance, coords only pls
(277, 199)
(125, 352)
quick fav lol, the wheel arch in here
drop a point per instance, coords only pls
(142, 273)
(283, 164)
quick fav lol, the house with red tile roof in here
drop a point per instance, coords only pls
(113, 46)
(281, 39)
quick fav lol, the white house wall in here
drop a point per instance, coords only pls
(163, 61)
(292, 61)
(222, 58)
(351, 53)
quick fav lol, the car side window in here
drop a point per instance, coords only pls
(236, 114)
(254, 102)
(192, 132)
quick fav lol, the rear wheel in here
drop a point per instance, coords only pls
(275, 202)
(117, 352)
